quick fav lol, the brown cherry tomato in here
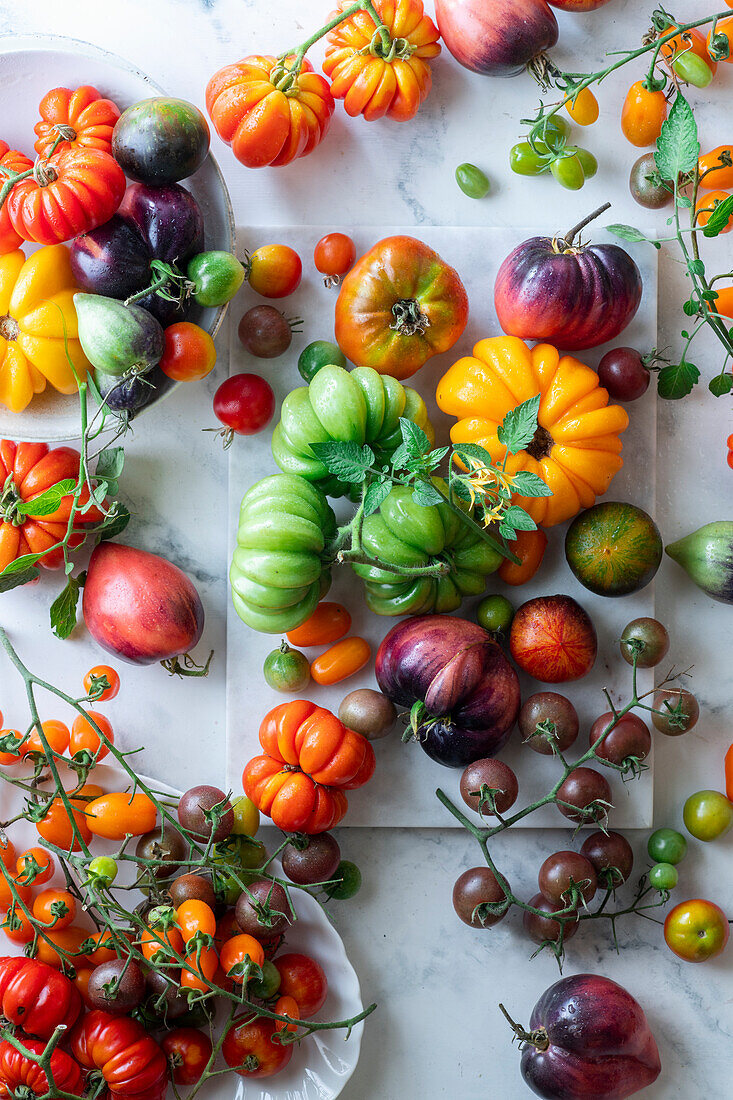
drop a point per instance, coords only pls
(189, 352)
(341, 660)
(530, 547)
(642, 116)
(328, 623)
(93, 679)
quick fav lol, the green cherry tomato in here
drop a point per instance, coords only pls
(666, 846)
(286, 669)
(527, 161)
(349, 884)
(568, 171)
(103, 870)
(252, 853)
(319, 354)
(588, 162)
(246, 817)
(216, 276)
(556, 127)
(692, 69)
(495, 614)
(707, 815)
(472, 181)
(268, 986)
(663, 876)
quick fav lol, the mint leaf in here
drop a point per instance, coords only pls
(347, 461)
(519, 425)
(678, 146)
(48, 501)
(719, 219)
(414, 438)
(426, 494)
(377, 492)
(114, 523)
(63, 608)
(677, 380)
(519, 519)
(721, 385)
(528, 484)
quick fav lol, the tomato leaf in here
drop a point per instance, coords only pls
(63, 608)
(426, 494)
(14, 578)
(519, 425)
(677, 380)
(347, 461)
(48, 501)
(109, 467)
(719, 218)
(528, 484)
(629, 233)
(114, 523)
(678, 147)
(465, 451)
(414, 438)
(721, 385)
(377, 492)
(519, 519)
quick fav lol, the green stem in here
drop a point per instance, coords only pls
(471, 522)
(299, 52)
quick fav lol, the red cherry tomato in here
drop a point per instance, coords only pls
(333, 256)
(188, 1052)
(245, 404)
(302, 978)
(250, 1050)
(189, 352)
(93, 678)
(274, 271)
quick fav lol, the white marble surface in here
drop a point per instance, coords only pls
(437, 1033)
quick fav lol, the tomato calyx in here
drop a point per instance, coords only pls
(169, 283)
(539, 1039)
(9, 328)
(184, 664)
(388, 48)
(409, 320)
(564, 244)
(10, 499)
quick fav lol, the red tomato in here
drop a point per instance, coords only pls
(274, 270)
(189, 352)
(131, 1062)
(35, 866)
(188, 1052)
(19, 162)
(302, 978)
(85, 737)
(696, 930)
(250, 1050)
(36, 997)
(93, 679)
(287, 1006)
(19, 1076)
(333, 256)
(245, 404)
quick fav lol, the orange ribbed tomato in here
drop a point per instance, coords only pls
(576, 449)
(19, 162)
(375, 80)
(82, 117)
(310, 759)
(268, 116)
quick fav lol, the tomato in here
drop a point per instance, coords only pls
(250, 1050)
(666, 846)
(74, 190)
(716, 168)
(705, 206)
(84, 738)
(18, 162)
(287, 1006)
(161, 944)
(16, 926)
(267, 986)
(268, 116)
(472, 181)
(696, 930)
(195, 916)
(82, 118)
(188, 1052)
(729, 768)
(95, 687)
(6, 893)
(333, 256)
(238, 954)
(693, 69)
(189, 352)
(56, 908)
(328, 623)
(724, 28)
(348, 881)
(19, 1076)
(675, 712)
(341, 660)
(246, 817)
(643, 113)
(526, 160)
(8, 853)
(216, 277)
(303, 979)
(707, 815)
(199, 969)
(81, 983)
(286, 669)
(64, 831)
(36, 997)
(274, 270)
(245, 404)
(120, 814)
(588, 162)
(319, 353)
(131, 1062)
(14, 742)
(529, 547)
(583, 109)
(66, 945)
(101, 944)
(664, 876)
(56, 734)
(568, 171)
(495, 614)
(35, 866)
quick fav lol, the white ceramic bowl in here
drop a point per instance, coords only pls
(29, 66)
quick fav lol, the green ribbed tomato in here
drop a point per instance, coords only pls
(279, 570)
(360, 406)
(413, 536)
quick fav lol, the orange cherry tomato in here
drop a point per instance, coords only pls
(198, 973)
(723, 26)
(37, 858)
(6, 894)
(68, 941)
(706, 205)
(729, 754)
(86, 793)
(236, 951)
(530, 547)
(642, 115)
(328, 623)
(104, 949)
(117, 815)
(274, 271)
(189, 352)
(93, 678)
(341, 660)
(57, 827)
(12, 757)
(163, 943)
(81, 981)
(723, 304)
(195, 916)
(716, 168)
(7, 852)
(56, 734)
(57, 908)
(226, 928)
(85, 737)
(287, 1006)
(584, 108)
(333, 256)
(688, 41)
(17, 927)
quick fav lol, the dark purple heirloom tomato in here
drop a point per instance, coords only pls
(499, 38)
(572, 296)
(469, 691)
(152, 224)
(588, 1040)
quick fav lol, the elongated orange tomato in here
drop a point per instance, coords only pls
(287, 1006)
(85, 737)
(716, 168)
(584, 108)
(57, 827)
(705, 206)
(67, 940)
(119, 814)
(529, 546)
(195, 916)
(723, 304)
(56, 734)
(341, 660)
(157, 944)
(328, 623)
(642, 116)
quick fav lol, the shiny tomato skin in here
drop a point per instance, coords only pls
(189, 352)
(303, 979)
(95, 674)
(131, 1062)
(274, 270)
(85, 737)
(19, 1076)
(57, 827)
(188, 1051)
(36, 997)
(696, 930)
(118, 814)
(642, 116)
(249, 1049)
(334, 254)
(245, 403)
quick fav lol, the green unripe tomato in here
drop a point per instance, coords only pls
(472, 181)
(692, 69)
(268, 986)
(568, 171)
(495, 614)
(103, 870)
(588, 162)
(556, 127)
(319, 354)
(286, 669)
(350, 883)
(216, 276)
(666, 846)
(526, 161)
(663, 876)
(246, 817)
(708, 815)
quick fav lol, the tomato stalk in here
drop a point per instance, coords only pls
(284, 76)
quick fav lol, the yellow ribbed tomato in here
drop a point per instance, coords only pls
(576, 449)
(36, 312)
